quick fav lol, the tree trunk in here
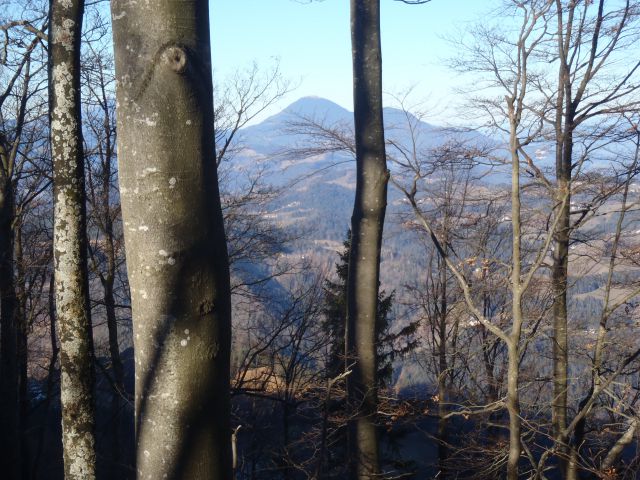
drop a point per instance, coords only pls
(442, 372)
(69, 243)
(513, 407)
(53, 342)
(559, 310)
(366, 226)
(23, 350)
(513, 343)
(9, 374)
(109, 278)
(118, 372)
(174, 239)
(559, 274)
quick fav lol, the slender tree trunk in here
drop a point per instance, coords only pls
(110, 275)
(53, 342)
(108, 279)
(559, 272)
(366, 226)
(69, 243)
(560, 316)
(9, 374)
(513, 344)
(23, 353)
(174, 237)
(112, 325)
(442, 372)
(513, 407)
(118, 373)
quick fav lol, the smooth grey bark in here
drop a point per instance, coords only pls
(174, 239)
(69, 241)
(366, 225)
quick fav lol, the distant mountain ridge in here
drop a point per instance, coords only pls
(280, 134)
(275, 134)
(319, 189)
(325, 182)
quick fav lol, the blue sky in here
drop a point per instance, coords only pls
(312, 42)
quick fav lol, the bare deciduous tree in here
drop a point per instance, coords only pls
(19, 66)
(366, 226)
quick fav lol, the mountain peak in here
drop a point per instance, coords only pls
(312, 106)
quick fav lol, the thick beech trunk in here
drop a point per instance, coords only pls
(366, 226)
(69, 242)
(174, 239)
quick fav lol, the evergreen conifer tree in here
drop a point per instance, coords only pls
(389, 345)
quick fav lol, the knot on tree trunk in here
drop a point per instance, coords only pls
(176, 58)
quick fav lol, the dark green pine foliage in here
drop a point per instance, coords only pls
(390, 345)
(335, 307)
